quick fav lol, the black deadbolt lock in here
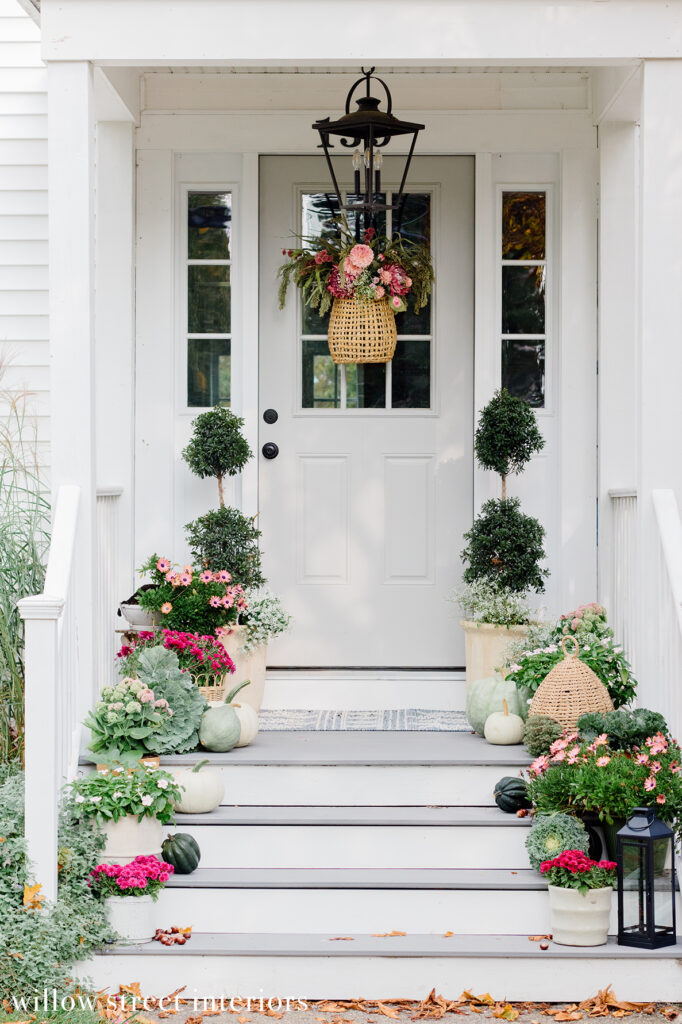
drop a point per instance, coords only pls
(270, 416)
(270, 450)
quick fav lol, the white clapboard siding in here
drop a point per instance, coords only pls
(23, 218)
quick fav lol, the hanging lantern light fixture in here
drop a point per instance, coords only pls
(367, 131)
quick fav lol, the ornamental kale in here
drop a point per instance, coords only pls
(110, 795)
(159, 668)
(625, 729)
(573, 870)
(551, 834)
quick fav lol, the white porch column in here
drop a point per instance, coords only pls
(660, 342)
(71, 131)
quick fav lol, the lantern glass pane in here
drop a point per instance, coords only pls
(634, 887)
(663, 891)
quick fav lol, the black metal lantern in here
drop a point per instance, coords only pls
(367, 131)
(646, 882)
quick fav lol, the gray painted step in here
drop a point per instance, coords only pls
(362, 748)
(326, 945)
(368, 878)
(366, 816)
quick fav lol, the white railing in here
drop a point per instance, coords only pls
(50, 692)
(108, 572)
(666, 656)
(623, 591)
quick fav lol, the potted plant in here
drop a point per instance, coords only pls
(264, 619)
(200, 656)
(598, 650)
(366, 283)
(192, 599)
(131, 806)
(504, 546)
(129, 892)
(593, 779)
(579, 897)
(133, 612)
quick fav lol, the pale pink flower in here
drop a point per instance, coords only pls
(361, 256)
(655, 767)
(396, 301)
(573, 755)
(166, 607)
(559, 756)
(660, 799)
(224, 576)
(380, 292)
(169, 576)
(227, 601)
(558, 745)
(642, 759)
(650, 783)
(657, 744)
(185, 579)
(146, 696)
(539, 765)
(381, 257)
(163, 565)
(206, 576)
(408, 282)
(385, 275)
(214, 601)
(350, 269)
(603, 761)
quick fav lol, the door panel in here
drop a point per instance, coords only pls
(364, 508)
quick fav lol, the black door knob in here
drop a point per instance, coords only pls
(270, 416)
(270, 450)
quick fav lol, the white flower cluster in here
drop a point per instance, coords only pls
(483, 601)
(266, 619)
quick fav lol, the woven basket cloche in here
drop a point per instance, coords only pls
(570, 690)
(361, 332)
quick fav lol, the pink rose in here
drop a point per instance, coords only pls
(396, 301)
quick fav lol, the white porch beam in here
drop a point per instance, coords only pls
(660, 340)
(305, 32)
(117, 100)
(71, 132)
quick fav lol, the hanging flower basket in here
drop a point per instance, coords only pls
(361, 332)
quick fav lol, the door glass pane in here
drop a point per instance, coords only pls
(415, 220)
(209, 223)
(321, 382)
(410, 322)
(380, 219)
(411, 375)
(523, 225)
(319, 211)
(208, 299)
(523, 300)
(523, 370)
(208, 371)
(366, 385)
(312, 322)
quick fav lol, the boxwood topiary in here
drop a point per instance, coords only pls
(505, 546)
(541, 731)
(551, 834)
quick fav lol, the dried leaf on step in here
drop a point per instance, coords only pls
(342, 938)
(386, 935)
(505, 1011)
(568, 1015)
(133, 989)
(243, 1020)
(538, 938)
(32, 897)
(448, 935)
(670, 1012)
(387, 1011)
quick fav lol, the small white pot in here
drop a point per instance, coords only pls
(132, 917)
(485, 647)
(580, 919)
(129, 838)
(246, 666)
(141, 618)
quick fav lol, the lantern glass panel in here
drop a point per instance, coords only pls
(663, 883)
(634, 887)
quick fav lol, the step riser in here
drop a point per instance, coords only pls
(344, 912)
(513, 978)
(364, 694)
(350, 846)
(361, 785)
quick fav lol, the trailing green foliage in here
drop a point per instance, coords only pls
(541, 732)
(551, 834)
(507, 435)
(624, 729)
(226, 539)
(24, 540)
(505, 546)
(39, 947)
(217, 446)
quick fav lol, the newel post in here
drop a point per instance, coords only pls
(43, 776)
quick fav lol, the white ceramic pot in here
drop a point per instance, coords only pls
(141, 618)
(485, 647)
(580, 919)
(129, 838)
(246, 666)
(132, 917)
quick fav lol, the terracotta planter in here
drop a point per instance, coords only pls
(132, 917)
(129, 838)
(246, 666)
(485, 647)
(580, 919)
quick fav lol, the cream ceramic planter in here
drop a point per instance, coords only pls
(580, 919)
(246, 666)
(129, 838)
(132, 917)
(485, 647)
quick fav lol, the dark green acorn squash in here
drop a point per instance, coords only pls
(182, 851)
(511, 795)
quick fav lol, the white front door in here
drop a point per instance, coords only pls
(364, 507)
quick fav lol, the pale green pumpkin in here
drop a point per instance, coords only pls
(486, 696)
(220, 728)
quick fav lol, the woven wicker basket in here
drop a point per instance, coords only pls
(570, 690)
(361, 332)
(213, 692)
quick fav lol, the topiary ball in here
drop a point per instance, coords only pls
(541, 732)
(551, 834)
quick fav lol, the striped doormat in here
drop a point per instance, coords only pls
(401, 720)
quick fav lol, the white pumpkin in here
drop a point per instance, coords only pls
(248, 717)
(503, 728)
(203, 789)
